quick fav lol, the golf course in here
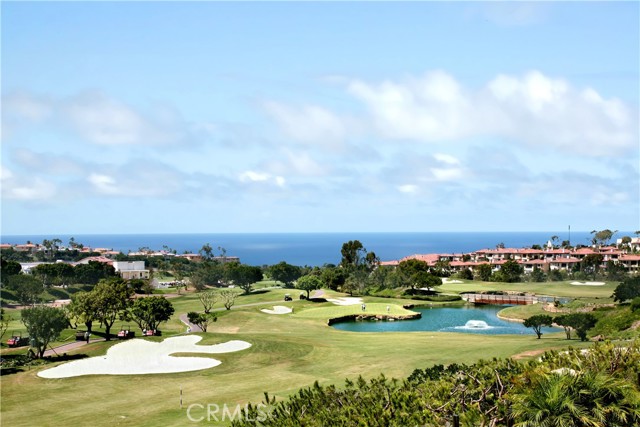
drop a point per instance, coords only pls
(287, 352)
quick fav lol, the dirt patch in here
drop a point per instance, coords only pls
(528, 354)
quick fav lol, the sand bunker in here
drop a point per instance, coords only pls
(345, 301)
(139, 356)
(446, 280)
(587, 283)
(277, 309)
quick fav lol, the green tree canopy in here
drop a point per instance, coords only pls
(285, 273)
(511, 271)
(44, 325)
(627, 290)
(84, 308)
(26, 288)
(309, 283)
(537, 322)
(242, 275)
(112, 298)
(202, 320)
(149, 312)
(353, 253)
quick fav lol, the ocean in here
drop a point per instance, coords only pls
(314, 249)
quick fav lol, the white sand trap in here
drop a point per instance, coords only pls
(446, 280)
(587, 283)
(139, 356)
(345, 300)
(277, 309)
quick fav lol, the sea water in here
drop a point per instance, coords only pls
(313, 249)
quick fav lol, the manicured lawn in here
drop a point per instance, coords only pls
(561, 289)
(288, 352)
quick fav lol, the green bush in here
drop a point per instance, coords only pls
(635, 304)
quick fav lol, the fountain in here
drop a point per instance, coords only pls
(476, 324)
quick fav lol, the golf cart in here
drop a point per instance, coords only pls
(152, 332)
(126, 333)
(17, 340)
(287, 297)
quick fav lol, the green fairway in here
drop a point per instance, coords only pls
(288, 352)
(560, 289)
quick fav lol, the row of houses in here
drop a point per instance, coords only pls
(126, 269)
(529, 259)
(110, 253)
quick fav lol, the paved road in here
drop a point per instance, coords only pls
(60, 350)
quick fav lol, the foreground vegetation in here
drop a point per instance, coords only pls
(594, 388)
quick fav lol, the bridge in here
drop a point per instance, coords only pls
(499, 299)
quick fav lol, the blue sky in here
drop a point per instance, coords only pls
(157, 117)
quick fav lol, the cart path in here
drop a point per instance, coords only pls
(68, 347)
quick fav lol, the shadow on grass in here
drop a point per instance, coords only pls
(12, 364)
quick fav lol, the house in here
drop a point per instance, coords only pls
(131, 269)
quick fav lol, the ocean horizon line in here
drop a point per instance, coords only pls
(313, 248)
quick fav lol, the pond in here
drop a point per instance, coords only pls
(468, 319)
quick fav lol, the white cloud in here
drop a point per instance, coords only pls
(252, 176)
(408, 188)
(446, 159)
(532, 109)
(447, 174)
(27, 189)
(309, 124)
(101, 120)
(104, 184)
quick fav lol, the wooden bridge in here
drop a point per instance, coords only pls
(499, 299)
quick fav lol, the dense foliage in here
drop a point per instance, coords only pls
(597, 387)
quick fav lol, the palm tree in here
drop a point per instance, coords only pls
(567, 398)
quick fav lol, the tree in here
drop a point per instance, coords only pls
(333, 277)
(242, 275)
(352, 254)
(537, 322)
(581, 322)
(4, 322)
(602, 237)
(202, 320)
(565, 322)
(44, 325)
(627, 290)
(537, 275)
(484, 272)
(422, 279)
(84, 308)
(9, 268)
(92, 272)
(27, 288)
(206, 251)
(207, 299)
(112, 297)
(285, 273)
(511, 271)
(228, 298)
(590, 264)
(410, 268)
(309, 283)
(149, 312)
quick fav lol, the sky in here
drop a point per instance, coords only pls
(211, 117)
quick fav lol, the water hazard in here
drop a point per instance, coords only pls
(474, 320)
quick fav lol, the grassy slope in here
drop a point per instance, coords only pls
(288, 352)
